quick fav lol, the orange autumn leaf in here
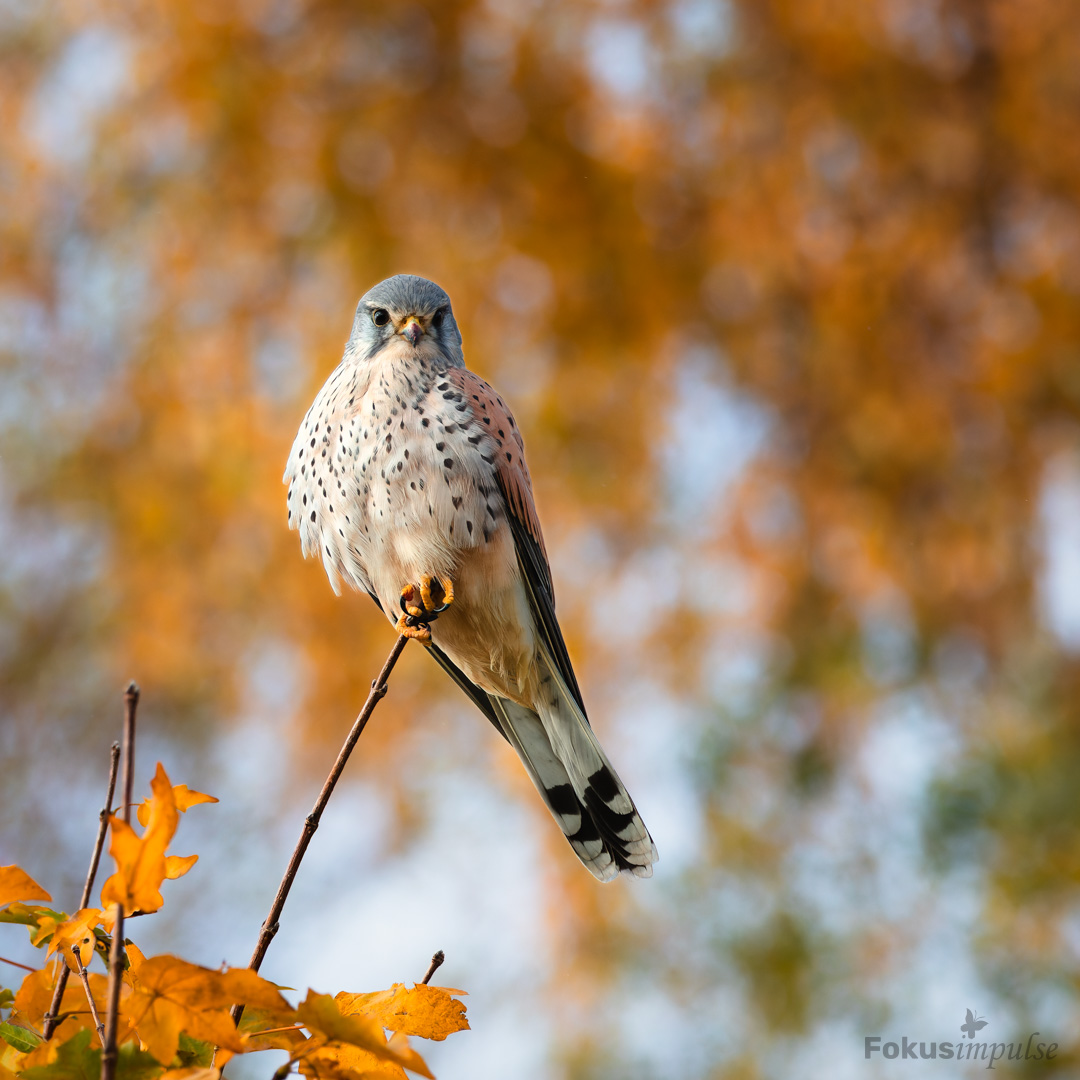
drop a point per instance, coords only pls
(178, 865)
(140, 860)
(430, 1012)
(270, 1030)
(17, 884)
(320, 1014)
(47, 922)
(342, 1062)
(184, 797)
(170, 995)
(10, 1061)
(78, 931)
(34, 996)
(135, 960)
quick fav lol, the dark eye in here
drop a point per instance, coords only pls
(437, 318)
(380, 316)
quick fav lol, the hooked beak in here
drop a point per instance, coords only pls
(412, 330)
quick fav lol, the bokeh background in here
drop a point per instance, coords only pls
(785, 295)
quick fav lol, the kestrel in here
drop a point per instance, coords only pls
(408, 478)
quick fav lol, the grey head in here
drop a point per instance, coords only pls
(410, 308)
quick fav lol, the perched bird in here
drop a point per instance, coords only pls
(408, 478)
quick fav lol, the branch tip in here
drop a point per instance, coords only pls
(437, 962)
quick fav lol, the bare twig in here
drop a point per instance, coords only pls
(311, 822)
(52, 1015)
(116, 954)
(436, 963)
(15, 963)
(89, 996)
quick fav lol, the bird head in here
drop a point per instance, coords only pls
(410, 311)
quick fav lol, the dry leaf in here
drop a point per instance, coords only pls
(430, 1012)
(170, 995)
(178, 865)
(184, 798)
(16, 884)
(78, 931)
(341, 1062)
(320, 1014)
(140, 860)
(194, 1072)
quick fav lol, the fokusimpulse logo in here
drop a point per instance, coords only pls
(966, 1049)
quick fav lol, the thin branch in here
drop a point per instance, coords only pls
(436, 963)
(15, 963)
(103, 826)
(311, 822)
(89, 996)
(116, 954)
(131, 703)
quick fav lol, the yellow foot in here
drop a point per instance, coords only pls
(420, 633)
(445, 589)
(435, 595)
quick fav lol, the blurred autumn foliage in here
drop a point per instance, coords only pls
(785, 297)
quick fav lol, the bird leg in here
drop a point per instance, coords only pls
(435, 595)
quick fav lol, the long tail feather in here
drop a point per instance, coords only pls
(576, 780)
(526, 734)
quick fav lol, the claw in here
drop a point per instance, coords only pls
(420, 632)
(414, 620)
(446, 587)
(408, 595)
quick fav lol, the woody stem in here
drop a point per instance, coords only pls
(116, 953)
(52, 1016)
(89, 996)
(311, 822)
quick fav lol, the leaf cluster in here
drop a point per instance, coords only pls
(174, 1019)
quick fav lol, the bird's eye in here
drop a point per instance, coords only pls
(380, 316)
(437, 318)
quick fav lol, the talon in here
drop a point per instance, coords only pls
(446, 587)
(418, 632)
(408, 595)
(413, 621)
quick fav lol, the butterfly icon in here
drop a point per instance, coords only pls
(973, 1024)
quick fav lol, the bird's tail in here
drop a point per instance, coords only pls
(577, 782)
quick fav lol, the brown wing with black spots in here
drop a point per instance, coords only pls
(515, 484)
(513, 474)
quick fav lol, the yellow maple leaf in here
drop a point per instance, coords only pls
(184, 798)
(16, 884)
(140, 860)
(170, 995)
(192, 1072)
(47, 922)
(11, 1062)
(78, 931)
(341, 1062)
(269, 1030)
(35, 996)
(430, 1012)
(135, 960)
(178, 865)
(320, 1014)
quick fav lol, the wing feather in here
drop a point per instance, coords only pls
(515, 486)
